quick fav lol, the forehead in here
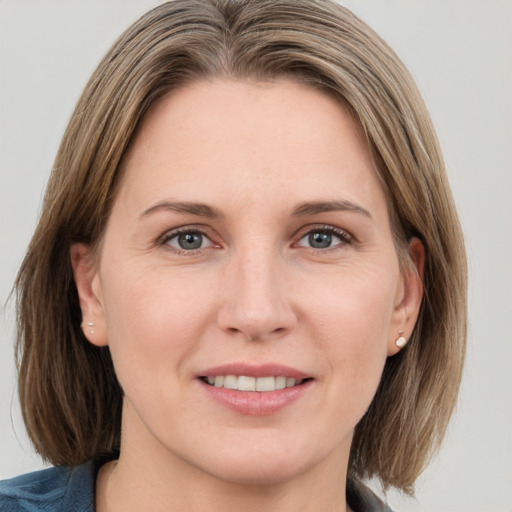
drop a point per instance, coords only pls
(261, 111)
(252, 140)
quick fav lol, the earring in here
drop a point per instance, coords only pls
(400, 341)
(91, 324)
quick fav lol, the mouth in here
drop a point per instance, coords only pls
(256, 384)
(255, 390)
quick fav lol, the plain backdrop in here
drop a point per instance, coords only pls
(459, 51)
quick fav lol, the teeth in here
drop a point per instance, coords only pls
(230, 382)
(245, 383)
(281, 382)
(290, 382)
(266, 384)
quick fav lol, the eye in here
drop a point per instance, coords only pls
(324, 238)
(188, 240)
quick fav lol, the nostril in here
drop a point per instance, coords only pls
(255, 319)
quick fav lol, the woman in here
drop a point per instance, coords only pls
(247, 286)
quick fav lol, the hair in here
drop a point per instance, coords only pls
(70, 397)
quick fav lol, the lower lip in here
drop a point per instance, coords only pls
(254, 403)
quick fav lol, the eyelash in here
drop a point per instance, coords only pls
(344, 236)
(164, 240)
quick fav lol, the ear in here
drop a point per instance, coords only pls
(88, 285)
(408, 299)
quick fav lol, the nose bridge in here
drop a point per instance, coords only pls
(257, 301)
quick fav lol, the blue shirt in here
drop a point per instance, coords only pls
(57, 489)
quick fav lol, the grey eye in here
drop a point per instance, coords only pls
(324, 238)
(188, 241)
(320, 240)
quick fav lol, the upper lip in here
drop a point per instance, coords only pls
(255, 370)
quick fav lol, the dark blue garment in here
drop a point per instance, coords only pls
(57, 489)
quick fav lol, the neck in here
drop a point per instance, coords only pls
(180, 488)
(150, 477)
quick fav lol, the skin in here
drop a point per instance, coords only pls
(256, 291)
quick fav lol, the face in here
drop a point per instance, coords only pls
(249, 246)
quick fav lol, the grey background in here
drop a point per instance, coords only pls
(460, 52)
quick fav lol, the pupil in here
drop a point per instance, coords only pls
(190, 240)
(320, 240)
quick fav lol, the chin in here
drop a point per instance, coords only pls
(273, 471)
(267, 462)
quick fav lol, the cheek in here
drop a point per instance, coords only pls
(356, 304)
(155, 319)
(350, 319)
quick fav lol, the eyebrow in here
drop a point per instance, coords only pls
(303, 210)
(315, 207)
(199, 209)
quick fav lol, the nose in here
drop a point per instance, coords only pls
(256, 297)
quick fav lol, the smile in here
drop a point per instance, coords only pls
(257, 384)
(255, 389)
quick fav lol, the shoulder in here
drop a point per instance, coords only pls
(362, 499)
(54, 489)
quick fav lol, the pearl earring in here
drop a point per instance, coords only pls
(400, 341)
(91, 324)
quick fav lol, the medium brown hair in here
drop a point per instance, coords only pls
(70, 397)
